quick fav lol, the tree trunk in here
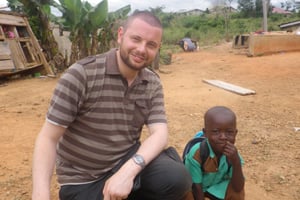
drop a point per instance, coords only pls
(94, 46)
(74, 51)
(82, 45)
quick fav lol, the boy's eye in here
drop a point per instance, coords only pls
(227, 133)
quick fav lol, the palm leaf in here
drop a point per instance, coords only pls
(98, 14)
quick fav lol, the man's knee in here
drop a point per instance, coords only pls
(167, 176)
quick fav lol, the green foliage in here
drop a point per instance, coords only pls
(15, 5)
(108, 31)
(98, 14)
(246, 7)
(83, 21)
(209, 29)
(34, 22)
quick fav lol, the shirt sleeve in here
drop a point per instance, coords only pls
(68, 96)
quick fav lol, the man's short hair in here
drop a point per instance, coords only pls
(146, 16)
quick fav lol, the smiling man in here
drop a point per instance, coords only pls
(94, 122)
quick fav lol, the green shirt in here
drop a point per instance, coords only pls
(216, 177)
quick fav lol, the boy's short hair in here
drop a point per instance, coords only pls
(215, 110)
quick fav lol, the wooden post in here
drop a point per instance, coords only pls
(265, 16)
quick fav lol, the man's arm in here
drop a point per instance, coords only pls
(44, 159)
(155, 143)
(120, 184)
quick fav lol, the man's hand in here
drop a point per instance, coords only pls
(119, 186)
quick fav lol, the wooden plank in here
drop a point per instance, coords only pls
(6, 64)
(14, 72)
(4, 48)
(4, 57)
(17, 55)
(12, 20)
(230, 87)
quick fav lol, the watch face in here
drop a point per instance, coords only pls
(139, 160)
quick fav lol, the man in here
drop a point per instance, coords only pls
(95, 120)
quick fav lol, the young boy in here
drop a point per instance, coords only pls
(220, 176)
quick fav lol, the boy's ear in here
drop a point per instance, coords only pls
(204, 132)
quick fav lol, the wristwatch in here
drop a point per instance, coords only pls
(139, 160)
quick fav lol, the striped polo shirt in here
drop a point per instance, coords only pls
(103, 116)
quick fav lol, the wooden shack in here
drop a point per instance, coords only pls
(20, 51)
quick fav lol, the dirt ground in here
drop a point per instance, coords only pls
(267, 139)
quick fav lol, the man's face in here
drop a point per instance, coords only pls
(139, 44)
(219, 130)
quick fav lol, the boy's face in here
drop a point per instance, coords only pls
(219, 130)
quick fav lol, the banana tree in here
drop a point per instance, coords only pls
(83, 20)
(107, 33)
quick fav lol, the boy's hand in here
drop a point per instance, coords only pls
(231, 152)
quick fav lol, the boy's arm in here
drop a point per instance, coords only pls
(198, 192)
(237, 180)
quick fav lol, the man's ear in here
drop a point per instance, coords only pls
(120, 33)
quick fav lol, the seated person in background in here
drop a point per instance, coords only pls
(188, 44)
(220, 176)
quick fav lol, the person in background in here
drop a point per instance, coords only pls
(93, 126)
(187, 44)
(220, 175)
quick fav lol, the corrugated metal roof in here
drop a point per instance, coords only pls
(289, 24)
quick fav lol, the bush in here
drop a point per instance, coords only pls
(209, 29)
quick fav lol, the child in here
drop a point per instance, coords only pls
(220, 176)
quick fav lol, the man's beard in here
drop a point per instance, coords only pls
(125, 58)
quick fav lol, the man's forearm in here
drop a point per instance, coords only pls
(152, 146)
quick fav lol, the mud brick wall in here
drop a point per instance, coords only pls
(260, 44)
